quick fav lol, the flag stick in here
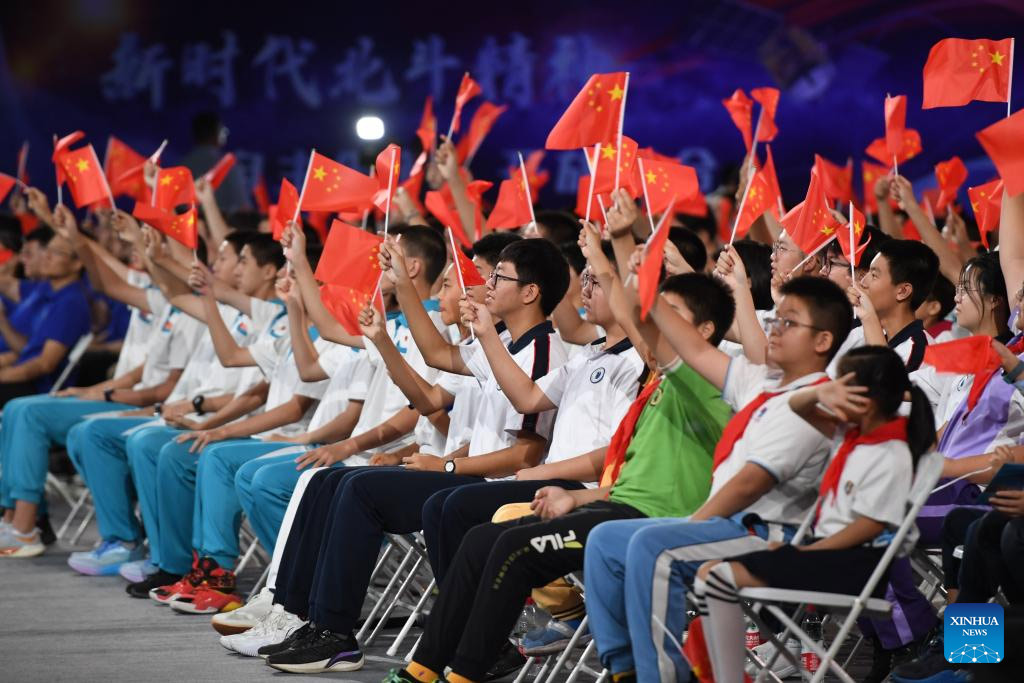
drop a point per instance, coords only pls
(647, 201)
(593, 172)
(106, 154)
(739, 211)
(1009, 80)
(604, 212)
(618, 140)
(302, 194)
(366, 212)
(526, 186)
(458, 272)
(895, 165)
(811, 255)
(156, 184)
(155, 156)
(853, 248)
(451, 126)
(391, 184)
(753, 143)
(22, 160)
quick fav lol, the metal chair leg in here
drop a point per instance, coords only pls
(564, 656)
(394, 601)
(411, 621)
(383, 596)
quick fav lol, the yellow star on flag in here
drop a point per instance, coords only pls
(319, 173)
(616, 92)
(997, 58)
(166, 180)
(608, 152)
(651, 177)
(83, 165)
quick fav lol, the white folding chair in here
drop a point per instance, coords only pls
(74, 356)
(929, 468)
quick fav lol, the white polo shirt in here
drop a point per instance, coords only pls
(777, 439)
(172, 342)
(875, 483)
(592, 390)
(140, 329)
(204, 375)
(538, 351)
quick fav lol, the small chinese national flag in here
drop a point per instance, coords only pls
(593, 116)
(260, 194)
(427, 132)
(582, 190)
(760, 199)
(388, 167)
(967, 356)
(335, 187)
(468, 273)
(513, 208)
(441, 204)
(538, 177)
(350, 270)
(468, 89)
(950, 175)
(216, 175)
(63, 145)
(836, 180)
(649, 272)
(870, 173)
(479, 126)
(81, 170)
(287, 207)
(174, 187)
(910, 148)
(810, 224)
(604, 175)
(123, 168)
(740, 107)
(1004, 143)
(986, 201)
(843, 235)
(667, 180)
(768, 98)
(182, 227)
(959, 70)
(895, 123)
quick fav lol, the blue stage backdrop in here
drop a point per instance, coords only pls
(289, 75)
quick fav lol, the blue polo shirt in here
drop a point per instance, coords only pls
(23, 315)
(64, 318)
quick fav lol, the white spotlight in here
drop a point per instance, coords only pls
(370, 128)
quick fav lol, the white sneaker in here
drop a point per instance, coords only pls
(271, 630)
(15, 544)
(245, 617)
(137, 571)
(765, 651)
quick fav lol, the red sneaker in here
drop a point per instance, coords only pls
(201, 599)
(184, 587)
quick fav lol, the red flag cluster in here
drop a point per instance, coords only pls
(350, 272)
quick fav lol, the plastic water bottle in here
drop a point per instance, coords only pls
(753, 635)
(812, 627)
(527, 619)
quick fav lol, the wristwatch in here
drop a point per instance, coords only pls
(449, 466)
(158, 409)
(197, 404)
(107, 393)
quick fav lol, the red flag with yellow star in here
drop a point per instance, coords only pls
(870, 173)
(950, 175)
(666, 180)
(479, 126)
(349, 268)
(960, 70)
(388, 167)
(335, 187)
(810, 224)
(174, 187)
(123, 168)
(837, 180)
(740, 107)
(469, 275)
(513, 207)
(182, 227)
(760, 199)
(63, 145)
(286, 208)
(843, 235)
(594, 114)
(986, 201)
(773, 180)
(538, 177)
(81, 170)
(1004, 143)
(895, 123)
(604, 174)
(582, 190)
(768, 98)
(468, 89)
(216, 175)
(911, 147)
(427, 131)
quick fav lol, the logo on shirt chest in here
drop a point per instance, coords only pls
(597, 375)
(848, 488)
(760, 412)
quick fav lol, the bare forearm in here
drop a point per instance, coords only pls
(230, 354)
(521, 391)
(15, 340)
(752, 336)
(424, 397)
(339, 428)
(437, 352)
(858, 532)
(146, 396)
(949, 261)
(306, 356)
(586, 467)
(508, 461)
(284, 414)
(236, 408)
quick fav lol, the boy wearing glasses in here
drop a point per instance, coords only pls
(764, 477)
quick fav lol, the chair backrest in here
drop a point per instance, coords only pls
(75, 355)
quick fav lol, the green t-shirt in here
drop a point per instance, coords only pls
(667, 468)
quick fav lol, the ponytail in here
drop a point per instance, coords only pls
(920, 423)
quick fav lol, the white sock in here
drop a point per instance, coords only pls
(725, 627)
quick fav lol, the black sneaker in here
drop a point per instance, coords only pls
(46, 534)
(931, 662)
(509, 661)
(298, 634)
(321, 651)
(881, 663)
(140, 589)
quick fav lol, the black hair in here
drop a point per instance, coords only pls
(205, 127)
(707, 297)
(489, 246)
(574, 255)
(43, 234)
(912, 262)
(10, 233)
(425, 244)
(982, 276)
(690, 247)
(238, 239)
(266, 250)
(944, 292)
(244, 220)
(757, 261)
(828, 305)
(882, 372)
(877, 238)
(540, 263)
(559, 226)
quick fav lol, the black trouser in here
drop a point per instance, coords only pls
(954, 533)
(449, 515)
(12, 390)
(492, 574)
(993, 559)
